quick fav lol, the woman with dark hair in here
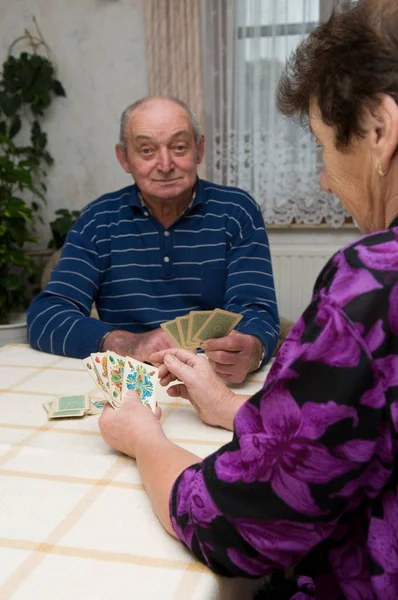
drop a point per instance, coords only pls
(309, 480)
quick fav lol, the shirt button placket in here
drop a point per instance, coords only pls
(167, 248)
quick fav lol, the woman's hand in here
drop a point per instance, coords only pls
(124, 428)
(213, 401)
(136, 431)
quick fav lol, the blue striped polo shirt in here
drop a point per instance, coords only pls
(141, 274)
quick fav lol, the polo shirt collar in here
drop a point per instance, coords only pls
(136, 202)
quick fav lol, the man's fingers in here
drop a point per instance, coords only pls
(217, 368)
(229, 343)
(221, 357)
(232, 377)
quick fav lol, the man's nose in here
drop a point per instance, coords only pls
(165, 161)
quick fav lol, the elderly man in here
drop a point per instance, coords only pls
(155, 250)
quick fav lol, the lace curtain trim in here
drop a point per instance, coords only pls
(282, 174)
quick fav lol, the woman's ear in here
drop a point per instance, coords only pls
(383, 129)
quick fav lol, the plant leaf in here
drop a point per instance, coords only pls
(15, 126)
(58, 88)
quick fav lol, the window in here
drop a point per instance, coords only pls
(246, 43)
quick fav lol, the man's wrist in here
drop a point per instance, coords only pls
(259, 354)
(102, 341)
(118, 341)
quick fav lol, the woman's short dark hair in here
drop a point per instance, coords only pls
(345, 64)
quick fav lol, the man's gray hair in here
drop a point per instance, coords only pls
(126, 114)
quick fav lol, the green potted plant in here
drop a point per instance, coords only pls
(61, 225)
(27, 88)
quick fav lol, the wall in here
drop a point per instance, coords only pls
(99, 48)
(100, 52)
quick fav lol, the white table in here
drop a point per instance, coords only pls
(75, 521)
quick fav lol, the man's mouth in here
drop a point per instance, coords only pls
(167, 180)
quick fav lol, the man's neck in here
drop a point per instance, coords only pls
(167, 211)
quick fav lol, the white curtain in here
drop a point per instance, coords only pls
(244, 46)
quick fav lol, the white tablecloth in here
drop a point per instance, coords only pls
(75, 521)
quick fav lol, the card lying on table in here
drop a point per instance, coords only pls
(73, 406)
(189, 331)
(123, 373)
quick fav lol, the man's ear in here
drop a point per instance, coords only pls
(383, 121)
(122, 158)
(200, 149)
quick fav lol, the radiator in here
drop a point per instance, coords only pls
(296, 268)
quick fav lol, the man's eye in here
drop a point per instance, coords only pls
(180, 147)
(146, 151)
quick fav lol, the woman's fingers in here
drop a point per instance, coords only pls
(184, 356)
(165, 377)
(164, 381)
(157, 357)
(181, 370)
(178, 391)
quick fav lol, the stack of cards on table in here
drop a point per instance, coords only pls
(73, 406)
(115, 375)
(190, 331)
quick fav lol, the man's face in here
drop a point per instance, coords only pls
(161, 153)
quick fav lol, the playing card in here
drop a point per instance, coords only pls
(96, 406)
(69, 406)
(196, 319)
(141, 378)
(182, 326)
(95, 375)
(170, 327)
(115, 378)
(100, 363)
(47, 406)
(220, 323)
(71, 402)
(65, 414)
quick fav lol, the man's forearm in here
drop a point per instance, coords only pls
(55, 326)
(119, 341)
(160, 462)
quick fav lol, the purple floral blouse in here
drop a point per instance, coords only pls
(310, 478)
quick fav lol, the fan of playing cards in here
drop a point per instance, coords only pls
(115, 375)
(190, 331)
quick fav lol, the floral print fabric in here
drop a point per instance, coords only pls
(309, 479)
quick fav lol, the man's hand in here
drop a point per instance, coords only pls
(124, 428)
(233, 356)
(137, 345)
